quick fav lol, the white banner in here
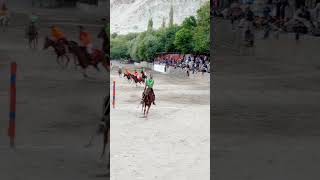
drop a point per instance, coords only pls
(160, 68)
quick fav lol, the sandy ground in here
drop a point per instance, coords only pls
(57, 109)
(265, 109)
(173, 142)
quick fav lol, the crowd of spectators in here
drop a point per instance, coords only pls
(194, 63)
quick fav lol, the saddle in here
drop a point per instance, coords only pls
(150, 95)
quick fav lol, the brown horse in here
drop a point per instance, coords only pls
(146, 103)
(127, 75)
(59, 49)
(137, 80)
(104, 126)
(32, 35)
(84, 60)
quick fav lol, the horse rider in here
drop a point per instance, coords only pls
(120, 71)
(33, 18)
(143, 75)
(86, 41)
(105, 36)
(3, 12)
(128, 72)
(149, 88)
(33, 24)
(136, 74)
(57, 35)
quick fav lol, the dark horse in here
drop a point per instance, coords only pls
(83, 58)
(137, 80)
(120, 72)
(106, 124)
(104, 127)
(32, 35)
(105, 44)
(127, 75)
(146, 102)
(59, 49)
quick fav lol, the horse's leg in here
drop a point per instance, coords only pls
(68, 60)
(36, 42)
(96, 67)
(84, 73)
(57, 59)
(148, 110)
(142, 104)
(105, 140)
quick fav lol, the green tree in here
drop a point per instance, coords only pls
(184, 41)
(169, 35)
(114, 35)
(150, 25)
(171, 16)
(202, 31)
(119, 48)
(202, 40)
(150, 46)
(163, 23)
(189, 22)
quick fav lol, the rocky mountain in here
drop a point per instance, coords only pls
(133, 15)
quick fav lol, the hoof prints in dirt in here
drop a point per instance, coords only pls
(199, 100)
(68, 125)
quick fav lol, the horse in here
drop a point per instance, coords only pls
(106, 124)
(104, 127)
(32, 35)
(105, 44)
(127, 75)
(84, 59)
(146, 103)
(120, 72)
(59, 49)
(137, 80)
(235, 14)
(4, 21)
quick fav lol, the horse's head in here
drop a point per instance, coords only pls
(47, 43)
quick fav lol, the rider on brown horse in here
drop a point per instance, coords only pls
(136, 74)
(86, 41)
(148, 90)
(143, 74)
(58, 36)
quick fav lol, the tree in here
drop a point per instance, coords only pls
(150, 47)
(114, 35)
(163, 23)
(119, 48)
(150, 25)
(202, 40)
(203, 16)
(190, 22)
(171, 16)
(202, 31)
(184, 40)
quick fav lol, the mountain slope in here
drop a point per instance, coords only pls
(133, 15)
